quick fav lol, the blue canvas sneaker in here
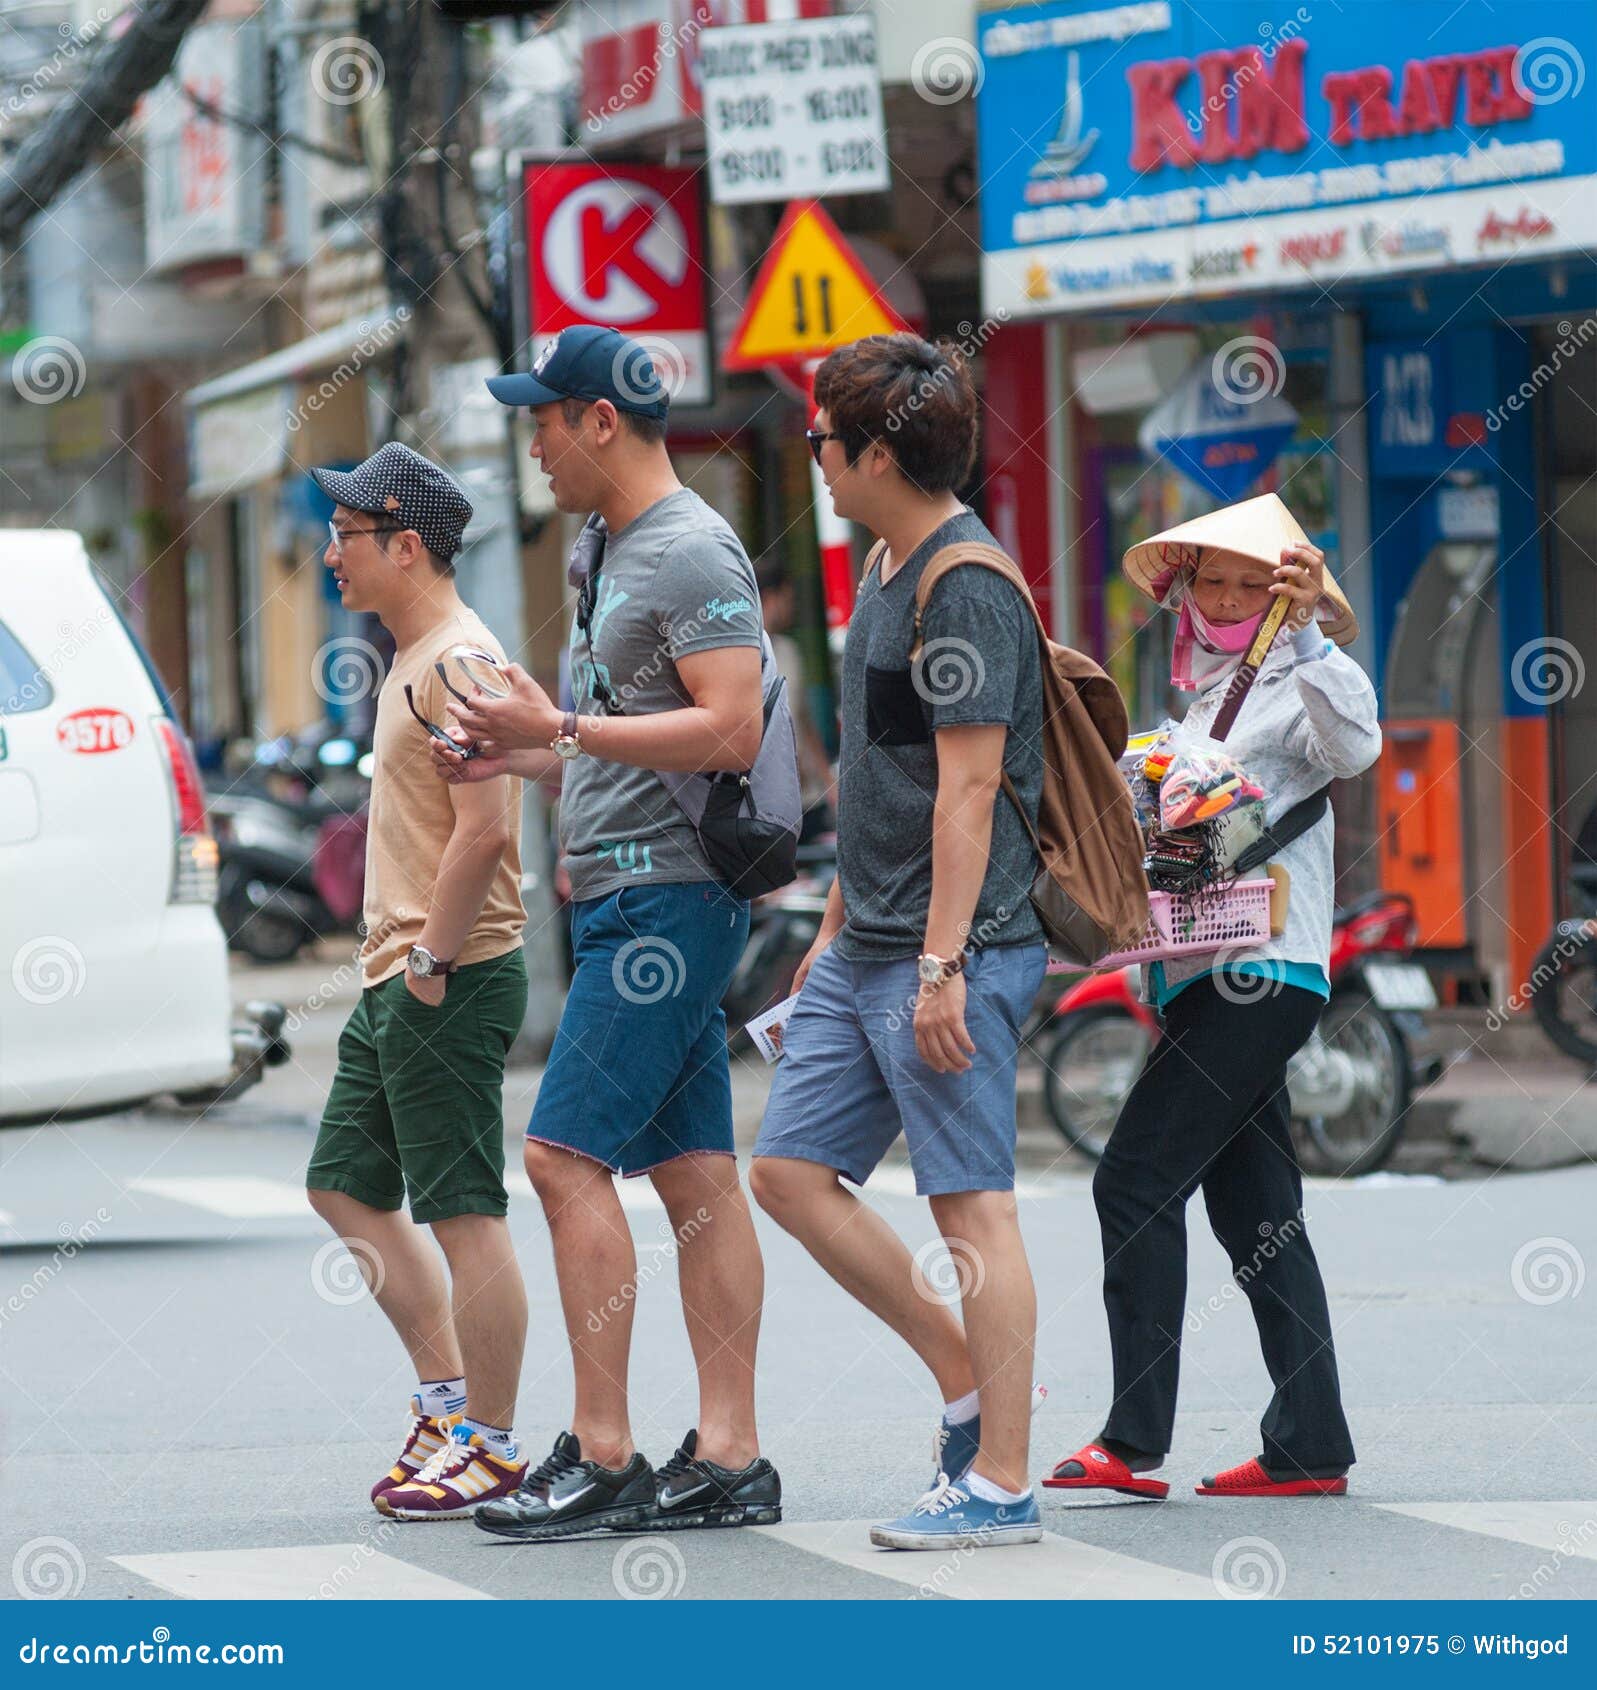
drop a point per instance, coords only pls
(949, 1517)
(956, 1443)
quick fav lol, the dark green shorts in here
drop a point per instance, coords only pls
(416, 1107)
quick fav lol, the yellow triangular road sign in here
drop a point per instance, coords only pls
(812, 294)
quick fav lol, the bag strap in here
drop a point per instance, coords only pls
(972, 551)
(1296, 822)
(1001, 563)
(608, 702)
(872, 558)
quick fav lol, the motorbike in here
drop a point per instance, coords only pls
(1350, 1085)
(1563, 979)
(290, 831)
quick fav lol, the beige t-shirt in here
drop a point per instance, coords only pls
(412, 816)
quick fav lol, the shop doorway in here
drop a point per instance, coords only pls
(1439, 775)
(1568, 451)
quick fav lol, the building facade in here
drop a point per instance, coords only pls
(1371, 228)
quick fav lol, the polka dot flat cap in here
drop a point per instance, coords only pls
(404, 488)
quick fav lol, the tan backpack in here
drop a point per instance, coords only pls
(1091, 894)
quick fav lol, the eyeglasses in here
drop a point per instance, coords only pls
(339, 535)
(467, 751)
(817, 438)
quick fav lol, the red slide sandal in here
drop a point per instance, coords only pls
(1103, 1471)
(1250, 1479)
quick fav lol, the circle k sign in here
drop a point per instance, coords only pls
(621, 246)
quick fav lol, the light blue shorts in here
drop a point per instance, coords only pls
(851, 1080)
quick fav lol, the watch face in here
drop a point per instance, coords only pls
(931, 970)
(420, 962)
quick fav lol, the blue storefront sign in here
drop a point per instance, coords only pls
(1135, 153)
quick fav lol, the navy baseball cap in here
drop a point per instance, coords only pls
(585, 362)
(410, 491)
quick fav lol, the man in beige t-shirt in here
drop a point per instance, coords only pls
(412, 820)
(415, 1108)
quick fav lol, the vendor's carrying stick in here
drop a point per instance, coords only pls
(1248, 669)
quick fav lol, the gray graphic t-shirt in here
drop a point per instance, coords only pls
(980, 663)
(674, 581)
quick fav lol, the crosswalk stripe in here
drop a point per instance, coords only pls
(349, 1572)
(1038, 1572)
(239, 1197)
(1568, 1528)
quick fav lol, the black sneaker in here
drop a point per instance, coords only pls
(692, 1493)
(565, 1457)
(565, 1496)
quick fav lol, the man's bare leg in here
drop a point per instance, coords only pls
(722, 1278)
(490, 1312)
(868, 1259)
(597, 1269)
(405, 1275)
(982, 1232)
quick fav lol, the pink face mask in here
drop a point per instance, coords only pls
(1233, 638)
(1204, 649)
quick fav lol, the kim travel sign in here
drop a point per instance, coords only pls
(1135, 153)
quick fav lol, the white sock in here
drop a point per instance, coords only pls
(442, 1396)
(968, 1406)
(962, 1408)
(989, 1492)
(500, 1440)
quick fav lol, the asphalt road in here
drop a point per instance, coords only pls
(195, 1395)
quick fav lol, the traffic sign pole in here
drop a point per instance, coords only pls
(837, 559)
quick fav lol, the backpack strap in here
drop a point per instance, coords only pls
(1001, 563)
(970, 551)
(872, 558)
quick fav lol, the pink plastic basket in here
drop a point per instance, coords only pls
(1185, 926)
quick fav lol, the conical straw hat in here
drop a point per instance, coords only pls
(1256, 529)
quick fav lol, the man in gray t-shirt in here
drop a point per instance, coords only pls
(913, 995)
(673, 582)
(665, 677)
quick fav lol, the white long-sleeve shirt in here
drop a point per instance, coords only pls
(1305, 722)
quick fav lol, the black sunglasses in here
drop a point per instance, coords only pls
(467, 751)
(817, 438)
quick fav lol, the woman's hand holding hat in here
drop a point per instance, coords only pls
(1301, 576)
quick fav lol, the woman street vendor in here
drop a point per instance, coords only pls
(1210, 1108)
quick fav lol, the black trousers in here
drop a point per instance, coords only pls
(1210, 1109)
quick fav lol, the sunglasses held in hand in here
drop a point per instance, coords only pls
(480, 669)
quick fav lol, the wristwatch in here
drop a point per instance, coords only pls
(934, 970)
(566, 743)
(424, 965)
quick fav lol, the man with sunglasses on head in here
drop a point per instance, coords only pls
(415, 1109)
(665, 667)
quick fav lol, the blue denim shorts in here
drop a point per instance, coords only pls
(638, 1074)
(850, 1079)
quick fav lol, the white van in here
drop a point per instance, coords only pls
(113, 967)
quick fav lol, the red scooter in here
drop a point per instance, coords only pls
(1350, 1085)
